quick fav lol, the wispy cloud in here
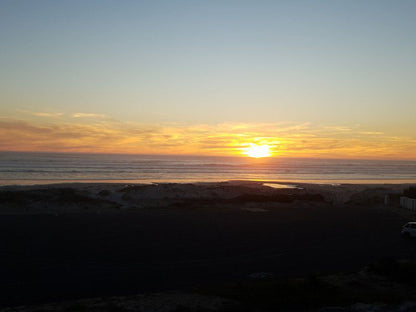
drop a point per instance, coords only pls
(41, 114)
(300, 140)
(52, 115)
(88, 115)
(371, 133)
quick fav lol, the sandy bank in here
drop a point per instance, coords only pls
(97, 197)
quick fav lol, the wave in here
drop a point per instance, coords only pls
(82, 167)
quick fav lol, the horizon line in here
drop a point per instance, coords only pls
(214, 156)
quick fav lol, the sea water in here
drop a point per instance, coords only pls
(41, 168)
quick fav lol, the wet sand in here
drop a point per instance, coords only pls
(133, 239)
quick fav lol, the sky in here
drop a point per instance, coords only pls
(308, 78)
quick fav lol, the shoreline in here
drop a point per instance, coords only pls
(40, 182)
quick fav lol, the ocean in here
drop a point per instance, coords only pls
(18, 168)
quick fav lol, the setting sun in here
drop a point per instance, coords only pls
(258, 151)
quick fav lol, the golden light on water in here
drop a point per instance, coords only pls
(258, 151)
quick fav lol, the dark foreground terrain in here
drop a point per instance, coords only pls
(48, 257)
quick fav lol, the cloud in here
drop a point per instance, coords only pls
(42, 114)
(292, 140)
(88, 115)
(371, 133)
(49, 115)
(338, 128)
(53, 115)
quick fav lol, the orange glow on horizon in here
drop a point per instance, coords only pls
(93, 134)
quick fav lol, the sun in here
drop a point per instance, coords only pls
(258, 151)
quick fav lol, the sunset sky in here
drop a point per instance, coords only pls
(307, 78)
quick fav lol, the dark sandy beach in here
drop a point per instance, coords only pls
(79, 241)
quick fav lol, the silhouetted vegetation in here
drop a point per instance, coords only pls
(410, 192)
(296, 293)
(282, 198)
(246, 198)
(403, 271)
(104, 193)
(58, 194)
(375, 284)
(48, 197)
(18, 197)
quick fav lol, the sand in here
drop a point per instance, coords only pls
(104, 197)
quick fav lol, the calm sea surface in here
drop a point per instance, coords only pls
(40, 168)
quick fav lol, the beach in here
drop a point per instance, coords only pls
(83, 240)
